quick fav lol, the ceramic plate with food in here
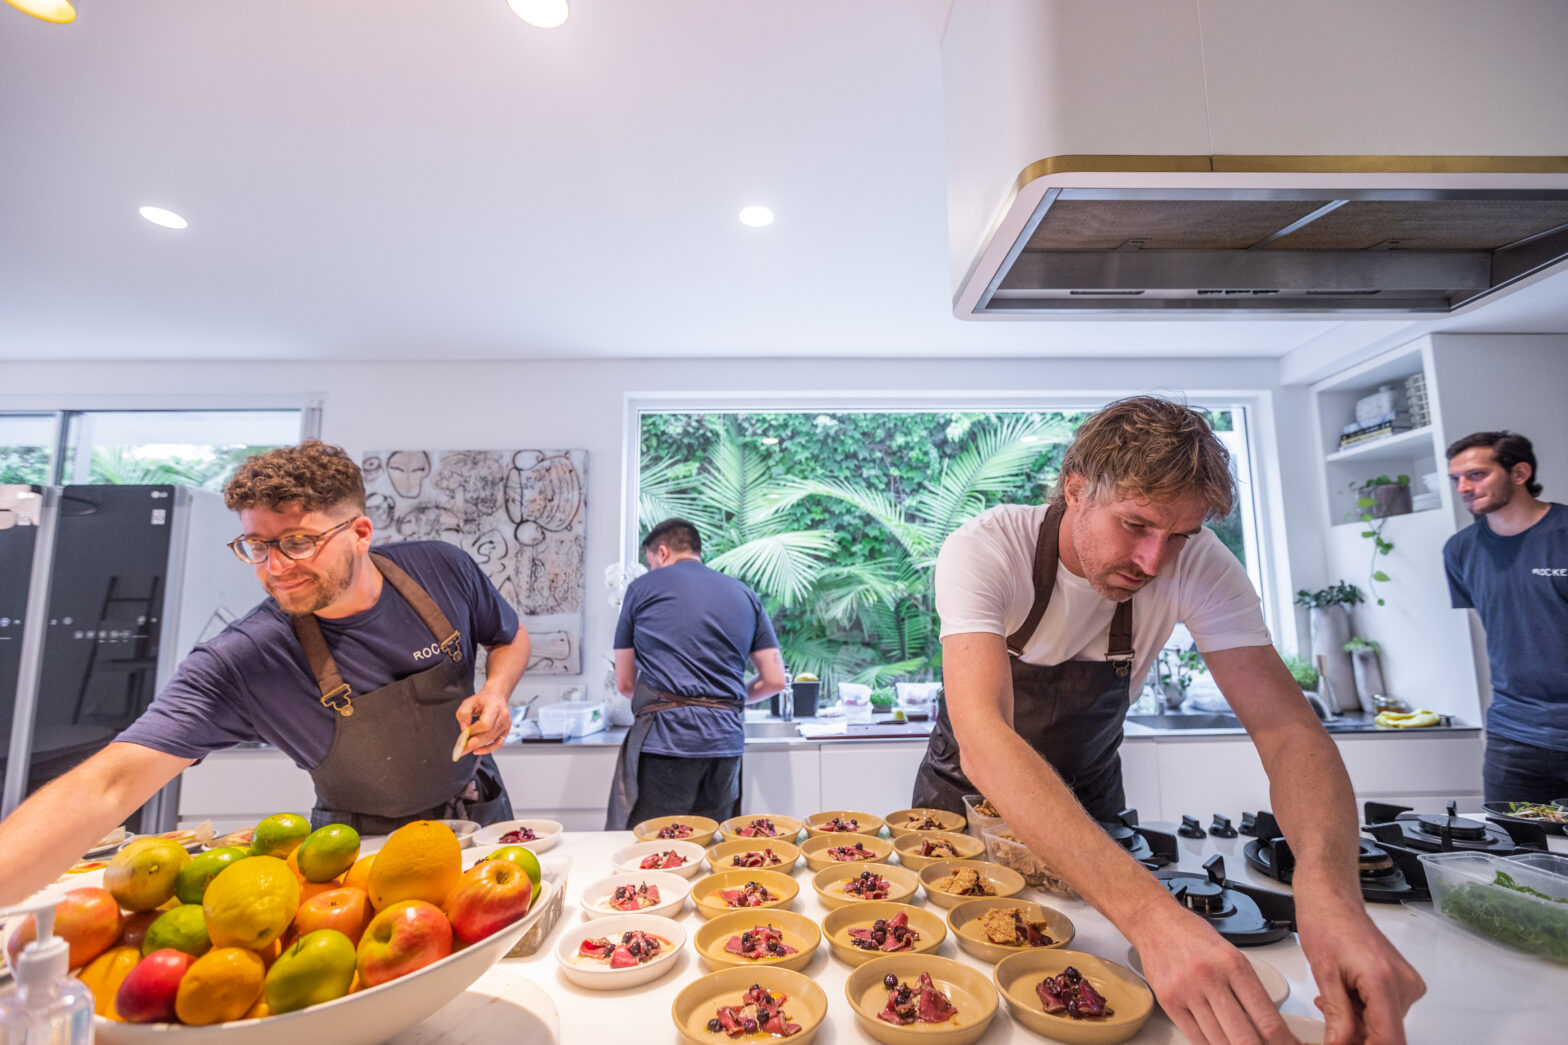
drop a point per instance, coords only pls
(833, 850)
(774, 938)
(1272, 979)
(536, 834)
(682, 858)
(639, 892)
(623, 950)
(992, 928)
(904, 821)
(859, 932)
(745, 890)
(1074, 997)
(112, 841)
(843, 884)
(699, 829)
(918, 848)
(1547, 815)
(950, 882)
(843, 822)
(761, 827)
(731, 996)
(748, 853)
(943, 1001)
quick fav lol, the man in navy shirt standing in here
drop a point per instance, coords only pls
(1511, 566)
(359, 666)
(685, 635)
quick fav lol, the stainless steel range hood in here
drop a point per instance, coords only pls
(1330, 248)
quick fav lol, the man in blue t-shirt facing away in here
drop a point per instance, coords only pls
(359, 666)
(681, 647)
(1511, 567)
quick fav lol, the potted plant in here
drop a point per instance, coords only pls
(1302, 671)
(1175, 669)
(1368, 672)
(1328, 610)
(1377, 499)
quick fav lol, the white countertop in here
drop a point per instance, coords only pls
(1477, 991)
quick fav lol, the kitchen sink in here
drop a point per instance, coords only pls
(772, 728)
(1196, 720)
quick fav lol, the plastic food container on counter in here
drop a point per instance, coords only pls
(1518, 900)
(977, 820)
(1012, 853)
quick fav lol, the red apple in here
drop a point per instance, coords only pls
(347, 910)
(401, 938)
(491, 896)
(146, 995)
(87, 919)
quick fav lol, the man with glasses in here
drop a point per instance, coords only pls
(360, 667)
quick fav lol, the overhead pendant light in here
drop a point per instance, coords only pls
(541, 14)
(57, 11)
(159, 216)
(756, 217)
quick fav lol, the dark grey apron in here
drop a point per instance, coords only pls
(1071, 713)
(647, 702)
(391, 756)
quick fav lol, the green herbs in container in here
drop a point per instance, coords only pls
(1520, 901)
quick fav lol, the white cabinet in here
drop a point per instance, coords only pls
(876, 778)
(235, 789)
(784, 780)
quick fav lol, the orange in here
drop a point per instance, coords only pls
(420, 861)
(103, 975)
(358, 876)
(219, 986)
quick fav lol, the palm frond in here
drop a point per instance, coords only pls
(991, 464)
(878, 505)
(783, 566)
(667, 490)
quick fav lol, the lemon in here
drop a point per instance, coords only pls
(184, 928)
(420, 861)
(522, 857)
(251, 902)
(219, 986)
(142, 875)
(279, 835)
(194, 876)
(327, 852)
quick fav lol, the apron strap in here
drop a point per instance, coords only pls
(335, 693)
(676, 700)
(1047, 551)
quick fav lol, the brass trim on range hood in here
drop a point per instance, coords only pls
(1433, 244)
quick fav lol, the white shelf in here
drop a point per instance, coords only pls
(1379, 448)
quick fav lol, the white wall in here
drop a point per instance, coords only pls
(582, 404)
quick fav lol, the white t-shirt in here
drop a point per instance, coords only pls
(985, 583)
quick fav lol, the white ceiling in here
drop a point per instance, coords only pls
(417, 179)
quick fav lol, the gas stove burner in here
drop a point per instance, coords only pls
(1245, 916)
(1153, 849)
(1385, 878)
(1435, 832)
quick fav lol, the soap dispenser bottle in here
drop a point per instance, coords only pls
(49, 1005)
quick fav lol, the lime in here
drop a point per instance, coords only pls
(194, 876)
(522, 857)
(279, 835)
(183, 928)
(251, 902)
(328, 852)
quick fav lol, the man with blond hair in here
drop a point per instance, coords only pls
(1041, 646)
(359, 666)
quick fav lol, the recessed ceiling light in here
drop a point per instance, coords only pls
(756, 217)
(541, 14)
(167, 218)
(58, 11)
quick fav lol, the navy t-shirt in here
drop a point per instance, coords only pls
(693, 630)
(252, 682)
(1519, 586)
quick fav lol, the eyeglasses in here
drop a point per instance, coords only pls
(253, 550)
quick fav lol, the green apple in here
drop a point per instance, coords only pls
(318, 967)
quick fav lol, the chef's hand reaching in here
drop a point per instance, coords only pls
(1204, 984)
(1367, 986)
(487, 718)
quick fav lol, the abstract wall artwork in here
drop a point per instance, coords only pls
(519, 513)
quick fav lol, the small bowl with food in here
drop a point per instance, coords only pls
(903, 999)
(1006, 848)
(775, 1003)
(905, 821)
(1551, 817)
(854, 883)
(749, 889)
(777, 938)
(623, 950)
(682, 858)
(658, 893)
(746, 853)
(950, 882)
(859, 932)
(465, 830)
(919, 848)
(835, 849)
(1072, 996)
(995, 927)
(761, 827)
(698, 829)
(843, 822)
(536, 834)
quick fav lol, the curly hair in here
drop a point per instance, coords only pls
(1146, 447)
(314, 475)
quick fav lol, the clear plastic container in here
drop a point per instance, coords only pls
(856, 699)
(1010, 852)
(1466, 889)
(572, 719)
(978, 821)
